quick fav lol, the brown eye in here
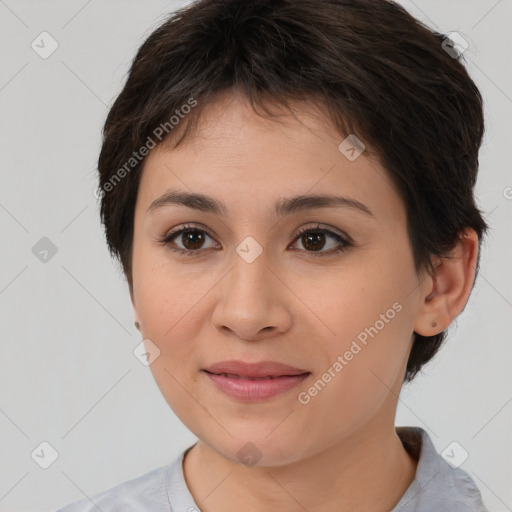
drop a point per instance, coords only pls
(188, 240)
(313, 241)
(192, 239)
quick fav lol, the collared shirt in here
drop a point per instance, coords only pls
(437, 486)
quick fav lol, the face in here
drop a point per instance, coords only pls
(326, 287)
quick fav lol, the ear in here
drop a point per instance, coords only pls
(135, 314)
(445, 294)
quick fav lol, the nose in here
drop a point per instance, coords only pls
(253, 303)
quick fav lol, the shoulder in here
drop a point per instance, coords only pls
(146, 492)
(456, 489)
(437, 485)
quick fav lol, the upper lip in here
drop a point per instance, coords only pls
(260, 369)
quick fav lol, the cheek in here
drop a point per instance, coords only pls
(167, 295)
(173, 308)
(367, 298)
(366, 364)
(370, 319)
(172, 320)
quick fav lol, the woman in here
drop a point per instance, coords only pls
(289, 188)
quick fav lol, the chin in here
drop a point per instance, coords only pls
(257, 450)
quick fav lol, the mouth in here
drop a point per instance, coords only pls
(261, 369)
(246, 377)
(254, 381)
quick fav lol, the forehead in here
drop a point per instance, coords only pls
(230, 119)
(235, 154)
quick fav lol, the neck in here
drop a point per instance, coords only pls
(369, 470)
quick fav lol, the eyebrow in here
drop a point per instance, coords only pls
(282, 207)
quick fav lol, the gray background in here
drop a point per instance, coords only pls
(67, 372)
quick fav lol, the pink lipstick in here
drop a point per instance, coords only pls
(254, 381)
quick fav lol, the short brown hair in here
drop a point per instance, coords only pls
(376, 71)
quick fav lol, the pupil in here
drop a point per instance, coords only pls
(193, 239)
(317, 241)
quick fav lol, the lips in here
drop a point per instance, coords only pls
(261, 370)
(249, 382)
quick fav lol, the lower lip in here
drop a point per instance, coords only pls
(257, 389)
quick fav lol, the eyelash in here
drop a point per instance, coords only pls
(168, 238)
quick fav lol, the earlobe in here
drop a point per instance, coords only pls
(136, 320)
(447, 291)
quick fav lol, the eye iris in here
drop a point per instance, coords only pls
(317, 240)
(192, 239)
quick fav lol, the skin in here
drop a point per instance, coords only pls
(340, 451)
